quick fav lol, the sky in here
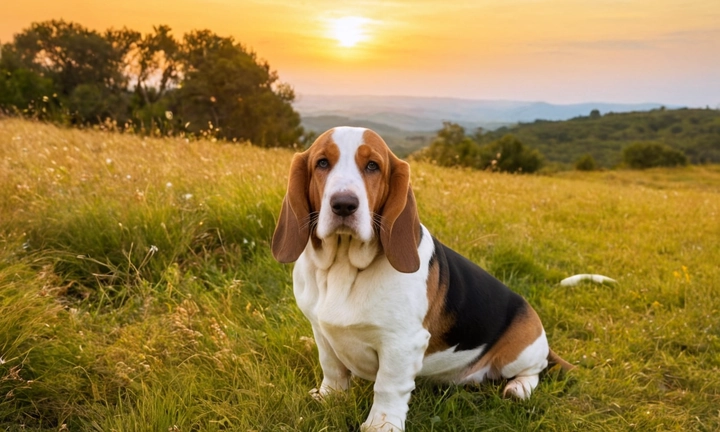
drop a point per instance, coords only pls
(558, 51)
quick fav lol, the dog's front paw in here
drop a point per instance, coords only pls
(321, 393)
(317, 395)
(382, 423)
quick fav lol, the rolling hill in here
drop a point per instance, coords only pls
(696, 132)
(409, 123)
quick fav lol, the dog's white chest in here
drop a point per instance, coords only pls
(344, 314)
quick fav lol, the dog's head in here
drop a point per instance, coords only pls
(349, 182)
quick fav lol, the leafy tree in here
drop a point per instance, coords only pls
(508, 154)
(155, 67)
(80, 62)
(66, 72)
(227, 89)
(21, 89)
(452, 147)
(586, 163)
(72, 55)
(643, 155)
(156, 59)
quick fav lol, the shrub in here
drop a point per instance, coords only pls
(452, 147)
(508, 154)
(643, 155)
(586, 163)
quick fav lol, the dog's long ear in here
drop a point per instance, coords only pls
(293, 226)
(400, 232)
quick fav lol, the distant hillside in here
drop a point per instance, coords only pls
(694, 131)
(427, 114)
(409, 123)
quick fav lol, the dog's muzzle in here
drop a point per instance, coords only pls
(344, 204)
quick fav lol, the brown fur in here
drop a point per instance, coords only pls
(523, 331)
(554, 359)
(436, 321)
(400, 224)
(389, 195)
(292, 230)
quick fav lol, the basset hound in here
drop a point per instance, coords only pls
(387, 301)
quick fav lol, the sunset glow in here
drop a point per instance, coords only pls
(561, 51)
(349, 30)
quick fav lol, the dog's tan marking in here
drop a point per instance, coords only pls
(377, 184)
(436, 321)
(523, 331)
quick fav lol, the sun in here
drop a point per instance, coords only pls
(349, 30)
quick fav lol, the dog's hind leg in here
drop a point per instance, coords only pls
(523, 373)
(521, 386)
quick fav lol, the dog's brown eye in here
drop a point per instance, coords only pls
(323, 163)
(372, 166)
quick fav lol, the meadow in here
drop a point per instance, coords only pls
(138, 292)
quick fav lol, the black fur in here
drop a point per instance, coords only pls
(482, 306)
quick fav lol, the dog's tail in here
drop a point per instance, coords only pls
(554, 359)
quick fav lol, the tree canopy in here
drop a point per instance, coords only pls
(694, 132)
(202, 83)
(453, 147)
(641, 155)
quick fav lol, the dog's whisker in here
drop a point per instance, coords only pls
(310, 221)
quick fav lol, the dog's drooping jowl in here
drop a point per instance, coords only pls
(387, 301)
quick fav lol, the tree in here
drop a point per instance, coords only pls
(451, 147)
(508, 154)
(586, 163)
(21, 89)
(156, 59)
(641, 155)
(152, 81)
(155, 67)
(225, 87)
(80, 62)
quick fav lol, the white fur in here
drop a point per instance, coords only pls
(450, 365)
(526, 369)
(345, 176)
(367, 318)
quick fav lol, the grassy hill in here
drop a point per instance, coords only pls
(137, 291)
(694, 131)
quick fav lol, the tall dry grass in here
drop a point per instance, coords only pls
(137, 291)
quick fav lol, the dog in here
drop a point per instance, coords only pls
(386, 300)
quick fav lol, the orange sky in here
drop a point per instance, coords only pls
(562, 51)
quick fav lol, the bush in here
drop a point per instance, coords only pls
(508, 154)
(642, 155)
(452, 147)
(586, 163)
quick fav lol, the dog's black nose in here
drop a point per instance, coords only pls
(344, 204)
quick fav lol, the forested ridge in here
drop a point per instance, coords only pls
(695, 132)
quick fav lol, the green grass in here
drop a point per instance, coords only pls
(137, 291)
